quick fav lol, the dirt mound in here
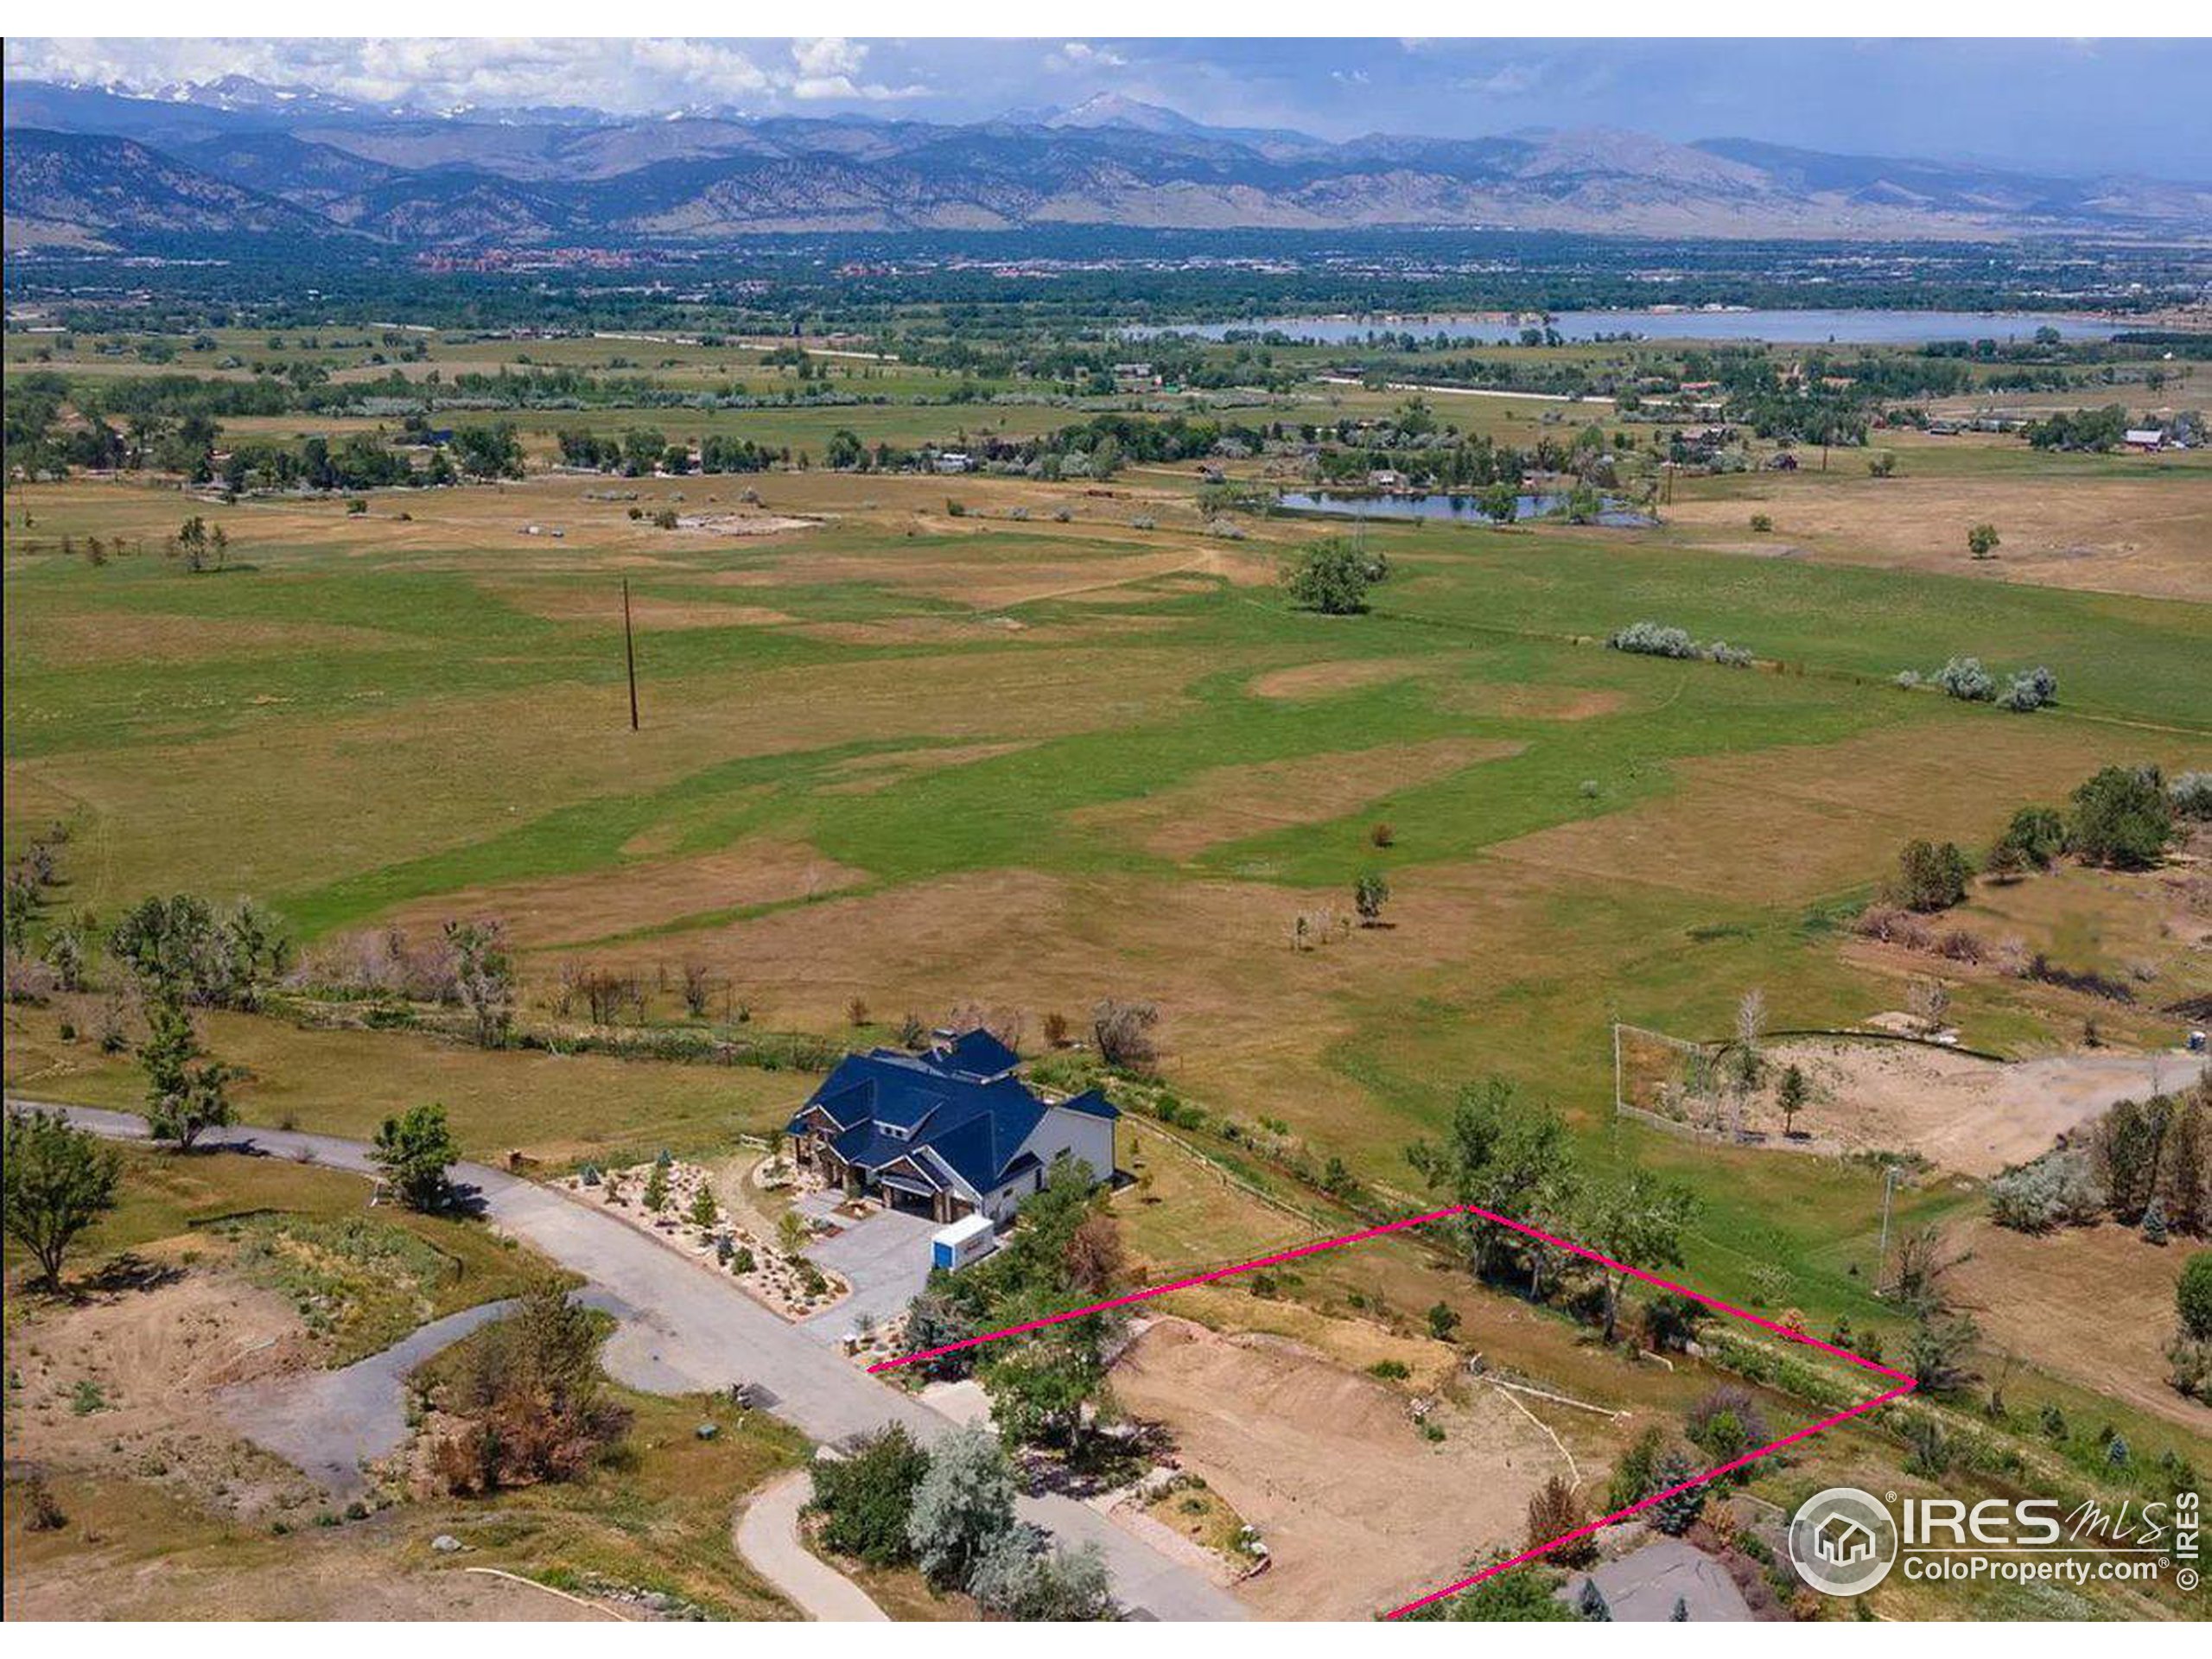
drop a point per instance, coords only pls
(1358, 1510)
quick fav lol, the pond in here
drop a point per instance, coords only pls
(1864, 328)
(1443, 506)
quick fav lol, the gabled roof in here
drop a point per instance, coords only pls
(958, 1107)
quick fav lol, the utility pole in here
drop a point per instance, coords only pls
(629, 654)
(1882, 1251)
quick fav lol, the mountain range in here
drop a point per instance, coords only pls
(94, 169)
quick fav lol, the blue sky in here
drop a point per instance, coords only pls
(2078, 106)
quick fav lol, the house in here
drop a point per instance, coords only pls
(2144, 440)
(1386, 478)
(949, 1132)
(954, 460)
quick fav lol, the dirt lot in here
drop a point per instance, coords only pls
(1968, 1115)
(2093, 1305)
(1358, 1510)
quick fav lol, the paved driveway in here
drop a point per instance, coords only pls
(685, 1329)
(885, 1259)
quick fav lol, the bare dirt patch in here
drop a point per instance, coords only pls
(870, 773)
(1227, 804)
(1524, 702)
(563, 603)
(1324, 679)
(125, 1384)
(572, 909)
(740, 523)
(2041, 1297)
(1973, 1115)
(1358, 1510)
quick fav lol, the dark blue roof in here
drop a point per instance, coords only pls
(961, 1102)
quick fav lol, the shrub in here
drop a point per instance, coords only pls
(1965, 679)
(2038, 833)
(1761, 523)
(2057, 1189)
(1982, 541)
(1654, 639)
(865, 1497)
(2029, 691)
(2191, 795)
(1553, 1508)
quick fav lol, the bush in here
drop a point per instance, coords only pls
(2030, 690)
(2057, 1189)
(1965, 679)
(1654, 639)
(2038, 833)
(2191, 795)
(865, 1497)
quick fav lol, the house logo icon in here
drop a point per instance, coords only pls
(1843, 1541)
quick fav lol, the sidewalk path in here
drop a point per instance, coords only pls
(767, 1535)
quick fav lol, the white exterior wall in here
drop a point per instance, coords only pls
(1078, 1134)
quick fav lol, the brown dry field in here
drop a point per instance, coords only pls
(1972, 1115)
(1227, 804)
(1817, 827)
(2093, 1304)
(2149, 536)
(575, 909)
(1358, 1511)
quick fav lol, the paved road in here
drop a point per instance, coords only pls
(329, 1423)
(765, 1532)
(683, 1329)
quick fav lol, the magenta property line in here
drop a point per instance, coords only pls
(1906, 1384)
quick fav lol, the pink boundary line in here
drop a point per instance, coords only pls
(1906, 1384)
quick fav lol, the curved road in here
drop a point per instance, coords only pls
(682, 1330)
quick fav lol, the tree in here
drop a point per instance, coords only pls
(1040, 1384)
(184, 1100)
(1750, 1027)
(2121, 818)
(1937, 1353)
(1094, 1257)
(704, 1212)
(166, 944)
(2193, 1296)
(1122, 1034)
(965, 1500)
(1677, 1512)
(484, 978)
(656, 1188)
(1443, 1320)
(2038, 834)
(1639, 1222)
(1368, 894)
(865, 1497)
(529, 1397)
(1682, 1613)
(59, 1180)
(935, 1320)
(413, 1150)
(1590, 1604)
(1503, 1155)
(1931, 877)
(1332, 577)
(1982, 541)
(1501, 504)
(1790, 1097)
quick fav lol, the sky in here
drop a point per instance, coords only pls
(2064, 106)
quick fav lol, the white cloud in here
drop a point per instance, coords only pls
(626, 77)
(1082, 54)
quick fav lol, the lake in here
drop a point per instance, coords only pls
(1441, 505)
(1845, 327)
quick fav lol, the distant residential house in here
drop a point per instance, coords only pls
(949, 1132)
(2145, 439)
(1385, 478)
(954, 460)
